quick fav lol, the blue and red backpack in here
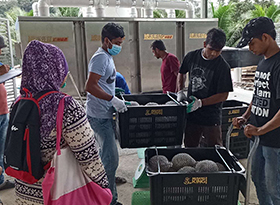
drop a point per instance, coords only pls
(22, 155)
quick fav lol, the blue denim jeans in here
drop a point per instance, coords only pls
(4, 122)
(105, 136)
(266, 174)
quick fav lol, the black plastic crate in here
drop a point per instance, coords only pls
(156, 125)
(239, 143)
(232, 108)
(217, 188)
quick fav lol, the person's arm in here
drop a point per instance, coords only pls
(269, 126)
(93, 88)
(82, 143)
(174, 65)
(251, 130)
(214, 99)
(181, 79)
(4, 69)
(238, 121)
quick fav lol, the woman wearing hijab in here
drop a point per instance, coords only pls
(45, 68)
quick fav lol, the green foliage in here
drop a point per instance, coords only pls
(223, 13)
(6, 5)
(12, 16)
(272, 12)
(234, 16)
(180, 13)
(160, 13)
(26, 5)
(258, 11)
(67, 12)
(30, 13)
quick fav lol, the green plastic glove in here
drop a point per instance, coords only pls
(194, 105)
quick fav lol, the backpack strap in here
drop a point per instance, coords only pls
(59, 120)
(39, 96)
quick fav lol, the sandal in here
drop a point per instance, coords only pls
(120, 180)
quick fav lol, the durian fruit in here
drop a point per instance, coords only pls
(163, 163)
(221, 167)
(171, 102)
(181, 160)
(206, 166)
(133, 103)
(151, 103)
(187, 170)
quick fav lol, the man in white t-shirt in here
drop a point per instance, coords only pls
(101, 100)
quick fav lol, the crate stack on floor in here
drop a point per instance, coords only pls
(157, 121)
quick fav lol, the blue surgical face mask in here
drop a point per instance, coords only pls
(115, 50)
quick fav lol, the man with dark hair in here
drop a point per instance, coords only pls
(210, 83)
(102, 102)
(4, 121)
(264, 110)
(169, 67)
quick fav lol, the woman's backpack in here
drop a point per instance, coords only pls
(22, 155)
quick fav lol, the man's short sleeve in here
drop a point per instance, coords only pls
(174, 64)
(98, 64)
(276, 81)
(224, 79)
(185, 67)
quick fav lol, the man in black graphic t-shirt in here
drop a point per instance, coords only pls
(264, 111)
(209, 84)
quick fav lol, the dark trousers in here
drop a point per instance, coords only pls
(210, 135)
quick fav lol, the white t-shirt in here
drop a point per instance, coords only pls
(102, 63)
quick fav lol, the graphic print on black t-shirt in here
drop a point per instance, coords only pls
(197, 79)
(262, 94)
(266, 98)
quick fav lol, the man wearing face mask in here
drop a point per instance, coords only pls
(101, 100)
(210, 82)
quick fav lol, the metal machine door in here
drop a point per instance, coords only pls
(150, 66)
(60, 33)
(195, 32)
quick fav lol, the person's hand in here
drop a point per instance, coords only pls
(119, 91)
(251, 130)
(239, 121)
(118, 104)
(181, 96)
(194, 105)
(4, 69)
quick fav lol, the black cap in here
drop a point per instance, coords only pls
(2, 42)
(254, 29)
